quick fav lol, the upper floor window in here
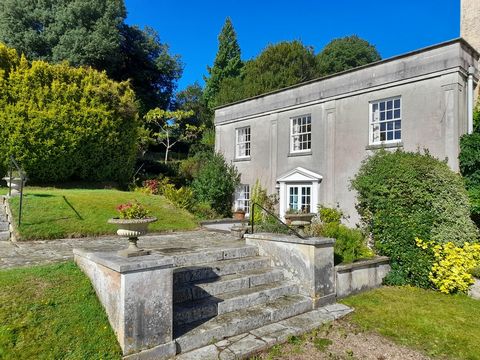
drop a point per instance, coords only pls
(242, 142)
(386, 121)
(301, 134)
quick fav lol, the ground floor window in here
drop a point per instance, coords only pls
(242, 198)
(299, 197)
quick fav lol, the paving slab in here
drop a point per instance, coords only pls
(176, 244)
(249, 343)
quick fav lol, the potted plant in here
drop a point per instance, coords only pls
(132, 222)
(14, 182)
(293, 215)
(239, 214)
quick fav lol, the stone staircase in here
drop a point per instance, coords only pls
(229, 292)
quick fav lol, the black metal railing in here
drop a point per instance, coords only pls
(252, 220)
(14, 164)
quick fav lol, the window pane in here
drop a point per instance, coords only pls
(382, 136)
(397, 103)
(398, 135)
(389, 104)
(396, 114)
(398, 124)
(389, 115)
(382, 116)
(383, 126)
(390, 126)
(382, 106)
(389, 135)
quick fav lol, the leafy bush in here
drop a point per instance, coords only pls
(469, 159)
(404, 195)
(204, 211)
(64, 123)
(349, 243)
(452, 268)
(216, 183)
(475, 272)
(260, 196)
(182, 197)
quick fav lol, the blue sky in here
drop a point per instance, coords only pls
(394, 27)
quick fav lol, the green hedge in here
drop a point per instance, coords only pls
(64, 123)
(404, 195)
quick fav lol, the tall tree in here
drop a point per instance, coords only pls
(278, 66)
(192, 99)
(92, 33)
(346, 53)
(227, 64)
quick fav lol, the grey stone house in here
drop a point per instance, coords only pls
(307, 141)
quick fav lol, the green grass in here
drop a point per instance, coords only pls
(50, 213)
(439, 325)
(52, 312)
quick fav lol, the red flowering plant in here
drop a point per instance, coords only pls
(151, 186)
(133, 210)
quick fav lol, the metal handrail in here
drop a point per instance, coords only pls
(252, 219)
(13, 164)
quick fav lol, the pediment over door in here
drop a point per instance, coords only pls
(300, 174)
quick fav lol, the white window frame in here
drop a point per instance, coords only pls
(242, 198)
(300, 196)
(247, 143)
(292, 135)
(374, 121)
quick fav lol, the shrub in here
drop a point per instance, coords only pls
(132, 210)
(349, 243)
(475, 272)
(204, 211)
(182, 197)
(401, 196)
(452, 268)
(260, 196)
(64, 123)
(216, 183)
(151, 186)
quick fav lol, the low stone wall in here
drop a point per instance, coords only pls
(362, 275)
(309, 262)
(137, 294)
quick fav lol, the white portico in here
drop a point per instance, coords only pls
(299, 189)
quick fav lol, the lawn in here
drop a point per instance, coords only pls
(436, 324)
(52, 312)
(51, 213)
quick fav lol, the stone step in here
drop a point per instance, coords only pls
(216, 269)
(4, 235)
(227, 283)
(192, 311)
(195, 335)
(4, 226)
(207, 256)
(250, 343)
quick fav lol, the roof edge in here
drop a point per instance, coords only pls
(396, 57)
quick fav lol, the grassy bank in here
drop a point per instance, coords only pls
(50, 213)
(52, 312)
(436, 324)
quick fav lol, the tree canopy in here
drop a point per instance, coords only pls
(92, 33)
(227, 64)
(63, 123)
(345, 53)
(278, 66)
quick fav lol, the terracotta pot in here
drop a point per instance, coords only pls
(239, 215)
(132, 228)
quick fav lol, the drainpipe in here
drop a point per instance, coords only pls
(471, 71)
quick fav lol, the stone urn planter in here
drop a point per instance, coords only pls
(132, 228)
(239, 214)
(307, 218)
(15, 184)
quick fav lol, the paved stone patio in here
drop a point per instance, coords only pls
(29, 253)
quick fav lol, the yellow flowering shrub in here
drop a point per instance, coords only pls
(450, 272)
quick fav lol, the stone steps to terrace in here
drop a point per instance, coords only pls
(223, 293)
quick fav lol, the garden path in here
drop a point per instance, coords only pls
(27, 253)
